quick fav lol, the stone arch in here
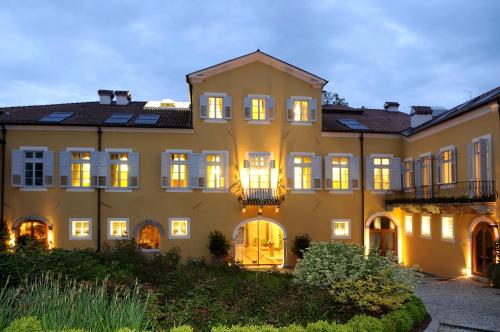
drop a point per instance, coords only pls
(147, 222)
(32, 218)
(472, 226)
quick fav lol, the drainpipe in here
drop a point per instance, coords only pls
(2, 200)
(99, 148)
(362, 157)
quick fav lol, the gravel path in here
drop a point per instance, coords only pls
(460, 302)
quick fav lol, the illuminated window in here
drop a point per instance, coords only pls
(408, 174)
(381, 173)
(215, 170)
(447, 229)
(215, 107)
(426, 170)
(179, 228)
(80, 169)
(260, 172)
(33, 168)
(446, 166)
(118, 163)
(340, 173)
(425, 226)
(341, 229)
(149, 238)
(481, 159)
(117, 228)
(301, 110)
(301, 172)
(80, 229)
(409, 224)
(259, 109)
(179, 170)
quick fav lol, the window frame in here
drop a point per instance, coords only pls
(310, 155)
(25, 149)
(349, 229)
(76, 238)
(221, 95)
(450, 149)
(179, 237)
(225, 170)
(266, 98)
(186, 162)
(408, 230)
(70, 180)
(382, 156)
(430, 172)
(448, 239)
(349, 157)
(255, 154)
(308, 106)
(490, 176)
(110, 188)
(422, 235)
(111, 237)
(412, 175)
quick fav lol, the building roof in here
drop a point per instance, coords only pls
(95, 114)
(376, 120)
(421, 110)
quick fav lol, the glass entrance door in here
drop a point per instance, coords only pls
(259, 242)
(482, 248)
(383, 236)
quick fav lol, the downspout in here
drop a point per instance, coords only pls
(362, 157)
(2, 200)
(99, 148)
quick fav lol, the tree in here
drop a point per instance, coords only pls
(332, 98)
(4, 236)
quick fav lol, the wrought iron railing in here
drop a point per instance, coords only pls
(458, 192)
(261, 196)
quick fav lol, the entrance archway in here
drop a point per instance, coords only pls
(147, 234)
(482, 236)
(259, 242)
(35, 228)
(383, 232)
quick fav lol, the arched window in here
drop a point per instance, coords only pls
(149, 238)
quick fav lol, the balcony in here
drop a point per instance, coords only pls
(260, 197)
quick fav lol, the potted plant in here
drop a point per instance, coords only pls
(219, 247)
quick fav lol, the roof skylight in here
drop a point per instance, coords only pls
(352, 124)
(147, 119)
(56, 117)
(118, 118)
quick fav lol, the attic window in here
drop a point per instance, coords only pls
(150, 119)
(56, 117)
(352, 124)
(118, 118)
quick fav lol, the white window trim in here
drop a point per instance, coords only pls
(188, 228)
(176, 189)
(426, 154)
(490, 153)
(79, 189)
(80, 149)
(109, 188)
(423, 236)
(341, 191)
(120, 237)
(382, 191)
(261, 122)
(303, 154)
(71, 237)
(454, 231)
(264, 122)
(349, 229)
(443, 149)
(477, 139)
(215, 94)
(208, 120)
(446, 148)
(409, 233)
(36, 149)
(28, 188)
(225, 189)
(301, 123)
(214, 120)
(403, 171)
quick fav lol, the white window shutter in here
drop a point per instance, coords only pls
(316, 173)
(369, 174)
(194, 170)
(101, 166)
(328, 173)
(412, 174)
(312, 109)
(289, 172)
(64, 169)
(247, 105)
(165, 169)
(226, 105)
(354, 173)
(439, 168)
(395, 173)
(483, 157)
(289, 109)
(203, 106)
(418, 173)
(454, 165)
(270, 108)
(94, 168)
(133, 170)
(48, 168)
(202, 169)
(17, 168)
(246, 163)
(470, 162)
(272, 164)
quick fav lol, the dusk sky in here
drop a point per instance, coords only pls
(413, 52)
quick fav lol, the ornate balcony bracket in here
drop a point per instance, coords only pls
(260, 197)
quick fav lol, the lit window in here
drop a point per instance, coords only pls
(408, 174)
(118, 169)
(118, 228)
(381, 173)
(409, 224)
(215, 107)
(341, 229)
(426, 170)
(149, 238)
(301, 173)
(179, 228)
(215, 171)
(447, 231)
(259, 109)
(446, 166)
(260, 172)
(80, 169)
(179, 170)
(33, 168)
(481, 168)
(425, 227)
(301, 110)
(340, 173)
(80, 229)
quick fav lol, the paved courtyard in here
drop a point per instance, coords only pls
(460, 305)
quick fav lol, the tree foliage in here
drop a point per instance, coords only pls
(333, 98)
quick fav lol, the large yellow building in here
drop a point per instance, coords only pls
(255, 156)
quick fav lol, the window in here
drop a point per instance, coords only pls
(340, 173)
(301, 110)
(381, 172)
(482, 165)
(301, 172)
(118, 163)
(215, 170)
(425, 227)
(408, 224)
(446, 166)
(179, 228)
(80, 169)
(33, 168)
(258, 109)
(80, 229)
(341, 229)
(117, 229)
(260, 171)
(426, 170)
(215, 107)
(149, 238)
(179, 170)
(408, 174)
(447, 229)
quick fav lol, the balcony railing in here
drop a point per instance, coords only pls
(260, 196)
(459, 192)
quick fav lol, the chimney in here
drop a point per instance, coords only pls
(420, 115)
(123, 97)
(105, 97)
(391, 106)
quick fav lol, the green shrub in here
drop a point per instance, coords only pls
(218, 244)
(125, 329)
(182, 328)
(300, 244)
(291, 328)
(493, 274)
(362, 323)
(24, 324)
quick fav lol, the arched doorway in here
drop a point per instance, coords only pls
(383, 233)
(147, 234)
(482, 239)
(34, 228)
(259, 242)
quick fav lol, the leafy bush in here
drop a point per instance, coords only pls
(300, 244)
(218, 244)
(494, 275)
(24, 324)
(183, 328)
(363, 323)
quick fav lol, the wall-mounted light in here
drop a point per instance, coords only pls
(260, 209)
(243, 209)
(277, 209)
